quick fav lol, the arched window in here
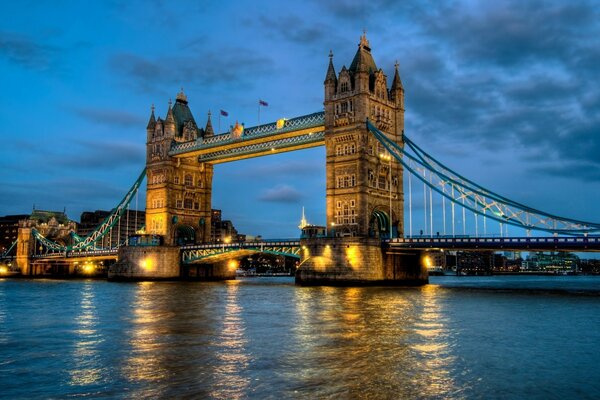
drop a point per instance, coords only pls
(188, 180)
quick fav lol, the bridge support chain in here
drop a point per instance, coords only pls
(146, 263)
(352, 261)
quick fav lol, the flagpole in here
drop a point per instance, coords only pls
(258, 112)
(219, 123)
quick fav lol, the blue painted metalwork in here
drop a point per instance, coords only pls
(109, 222)
(278, 144)
(473, 197)
(288, 248)
(314, 120)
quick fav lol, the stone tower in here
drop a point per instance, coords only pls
(359, 181)
(178, 197)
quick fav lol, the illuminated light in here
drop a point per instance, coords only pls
(227, 239)
(427, 261)
(233, 264)
(303, 247)
(272, 148)
(281, 123)
(147, 264)
(89, 268)
(353, 256)
(3, 270)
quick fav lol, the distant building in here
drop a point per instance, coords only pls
(223, 230)
(131, 221)
(552, 262)
(9, 228)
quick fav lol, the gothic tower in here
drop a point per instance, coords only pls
(363, 182)
(178, 197)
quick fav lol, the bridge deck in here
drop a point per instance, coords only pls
(591, 243)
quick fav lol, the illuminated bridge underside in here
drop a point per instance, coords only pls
(297, 133)
(211, 253)
(507, 243)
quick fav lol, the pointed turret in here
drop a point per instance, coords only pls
(397, 90)
(170, 121)
(152, 121)
(208, 131)
(331, 77)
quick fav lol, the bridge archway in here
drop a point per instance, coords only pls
(379, 224)
(184, 234)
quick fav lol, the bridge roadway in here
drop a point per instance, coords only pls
(560, 243)
(214, 252)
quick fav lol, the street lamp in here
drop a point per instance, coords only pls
(227, 240)
(388, 157)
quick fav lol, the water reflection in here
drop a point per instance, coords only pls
(144, 363)
(373, 340)
(232, 359)
(85, 368)
(432, 346)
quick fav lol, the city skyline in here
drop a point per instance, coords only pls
(502, 93)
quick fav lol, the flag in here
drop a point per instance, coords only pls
(224, 113)
(262, 103)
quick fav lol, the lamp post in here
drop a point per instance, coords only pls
(388, 157)
(226, 240)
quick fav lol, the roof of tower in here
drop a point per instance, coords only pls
(363, 60)
(396, 83)
(181, 112)
(330, 77)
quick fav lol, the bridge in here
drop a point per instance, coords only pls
(373, 169)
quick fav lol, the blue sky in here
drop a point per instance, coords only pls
(504, 92)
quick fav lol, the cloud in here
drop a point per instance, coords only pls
(103, 155)
(27, 52)
(304, 32)
(208, 69)
(108, 116)
(281, 194)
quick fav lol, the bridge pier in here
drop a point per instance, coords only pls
(348, 261)
(146, 263)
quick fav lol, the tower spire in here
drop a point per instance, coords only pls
(208, 131)
(330, 77)
(396, 83)
(152, 121)
(303, 221)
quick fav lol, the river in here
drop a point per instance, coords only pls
(508, 337)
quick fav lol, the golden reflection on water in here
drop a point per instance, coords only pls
(432, 345)
(230, 349)
(85, 370)
(376, 340)
(145, 362)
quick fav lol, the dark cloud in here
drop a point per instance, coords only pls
(227, 67)
(27, 52)
(281, 194)
(304, 31)
(108, 116)
(579, 170)
(103, 155)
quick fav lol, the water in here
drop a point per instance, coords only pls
(266, 338)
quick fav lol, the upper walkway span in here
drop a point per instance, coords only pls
(284, 135)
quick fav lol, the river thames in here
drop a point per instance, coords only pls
(459, 337)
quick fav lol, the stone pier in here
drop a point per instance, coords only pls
(351, 261)
(146, 263)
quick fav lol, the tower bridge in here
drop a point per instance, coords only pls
(368, 156)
